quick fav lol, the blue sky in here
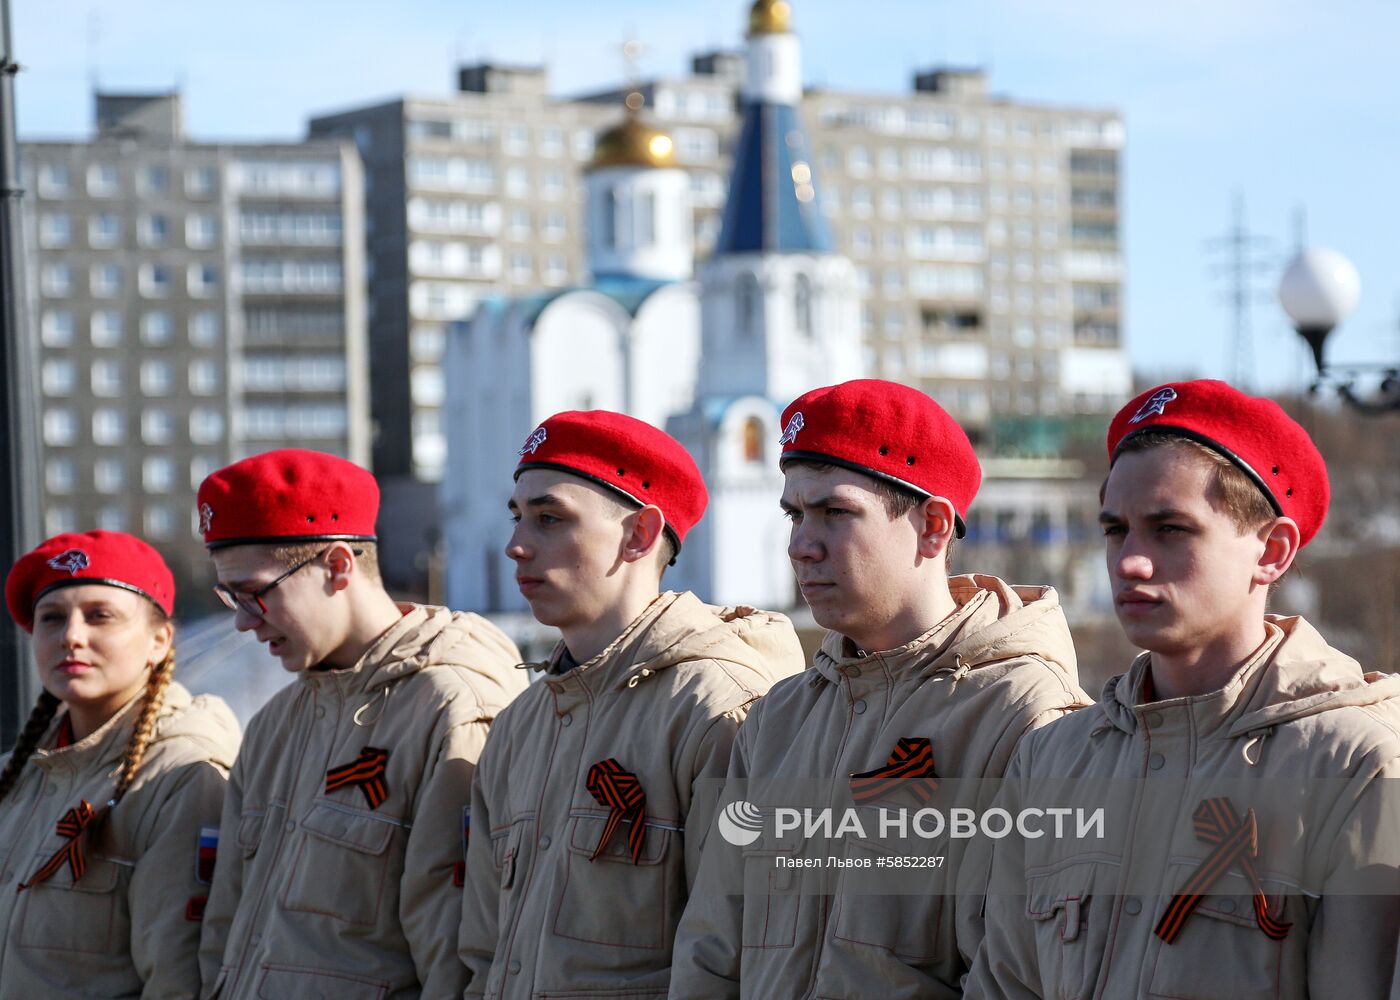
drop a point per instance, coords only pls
(1288, 101)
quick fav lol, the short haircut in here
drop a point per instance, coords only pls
(898, 500)
(366, 555)
(1230, 489)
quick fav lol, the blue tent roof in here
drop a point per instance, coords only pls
(764, 211)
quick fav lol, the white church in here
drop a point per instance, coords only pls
(711, 353)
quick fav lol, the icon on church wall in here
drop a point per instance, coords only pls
(753, 440)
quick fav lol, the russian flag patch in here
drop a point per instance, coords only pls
(206, 855)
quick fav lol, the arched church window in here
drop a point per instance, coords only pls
(753, 440)
(610, 209)
(747, 305)
(802, 305)
(646, 219)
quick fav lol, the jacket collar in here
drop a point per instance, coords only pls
(623, 661)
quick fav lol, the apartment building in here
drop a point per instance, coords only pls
(196, 302)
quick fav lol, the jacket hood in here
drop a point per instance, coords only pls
(1298, 676)
(994, 621)
(679, 628)
(429, 636)
(202, 719)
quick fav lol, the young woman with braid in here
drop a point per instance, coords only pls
(110, 799)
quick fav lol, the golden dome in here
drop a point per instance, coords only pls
(770, 17)
(631, 143)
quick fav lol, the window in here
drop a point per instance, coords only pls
(111, 518)
(802, 305)
(517, 140)
(155, 230)
(201, 231)
(155, 280)
(520, 224)
(517, 182)
(108, 427)
(202, 279)
(286, 177)
(553, 228)
(204, 376)
(556, 269)
(60, 475)
(105, 376)
(156, 328)
(156, 378)
(54, 180)
(646, 219)
(426, 343)
(697, 145)
(521, 267)
(60, 520)
(748, 305)
(157, 427)
(56, 328)
(155, 180)
(108, 475)
(201, 468)
(60, 427)
(427, 387)
(106, 280)
(157, 474)
(104, 230)
(57, 377)
(551, 142)
(889, 161)
(204, 328)
(158, 521)
(56, 279)
(55, 230)
(106, 328)
(206, 425)
(104, 180)
(200, 182)
(858, 160)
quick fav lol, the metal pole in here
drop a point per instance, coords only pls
(19, 444)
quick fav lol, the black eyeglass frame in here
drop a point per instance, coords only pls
(252, 601)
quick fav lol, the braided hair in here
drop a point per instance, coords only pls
(39, 718)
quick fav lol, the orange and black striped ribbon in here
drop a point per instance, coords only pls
(1236, 843)
(366, 771)
(621, 792)
(70, 827)
(910, 766)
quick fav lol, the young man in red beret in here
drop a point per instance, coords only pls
(343, 824)
(1250, 834)
(597, 787)
(920, 679)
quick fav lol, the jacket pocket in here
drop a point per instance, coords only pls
(89, 917)
(772, 896)
(342, 864)
(612, 901)
(1070, 928)
(906, 922)
(250, 831)
(1221, 954)
(279, 982)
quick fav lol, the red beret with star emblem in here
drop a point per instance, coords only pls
(108, 558)
(288, 496)
(628, 456)
(889, 431)
(1254, 433)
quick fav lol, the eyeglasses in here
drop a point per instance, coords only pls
(251, 601)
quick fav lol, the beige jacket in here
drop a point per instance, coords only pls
(1298, 723)
(130, 926)
(320, 894)
(663, 700)
(1001, 665)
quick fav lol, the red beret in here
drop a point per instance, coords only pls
(290, 495)
(888, 431)
(628, 456)
(1267, 444)
(111, 558)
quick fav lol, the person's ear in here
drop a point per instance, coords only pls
(1281, 540)
(934, 518)
(161, 642)
(644, 530)
(340, 560)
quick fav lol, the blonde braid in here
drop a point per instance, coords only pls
(39, 718)
(145, 726)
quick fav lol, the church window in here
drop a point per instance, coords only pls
(753, 440)
(802, 305)
(609, 220)
(747, 305)
(646, 219)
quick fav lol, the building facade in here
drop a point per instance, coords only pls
(196, 303)
(984, 230)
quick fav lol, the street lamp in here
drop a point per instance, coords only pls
(1319, 290)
